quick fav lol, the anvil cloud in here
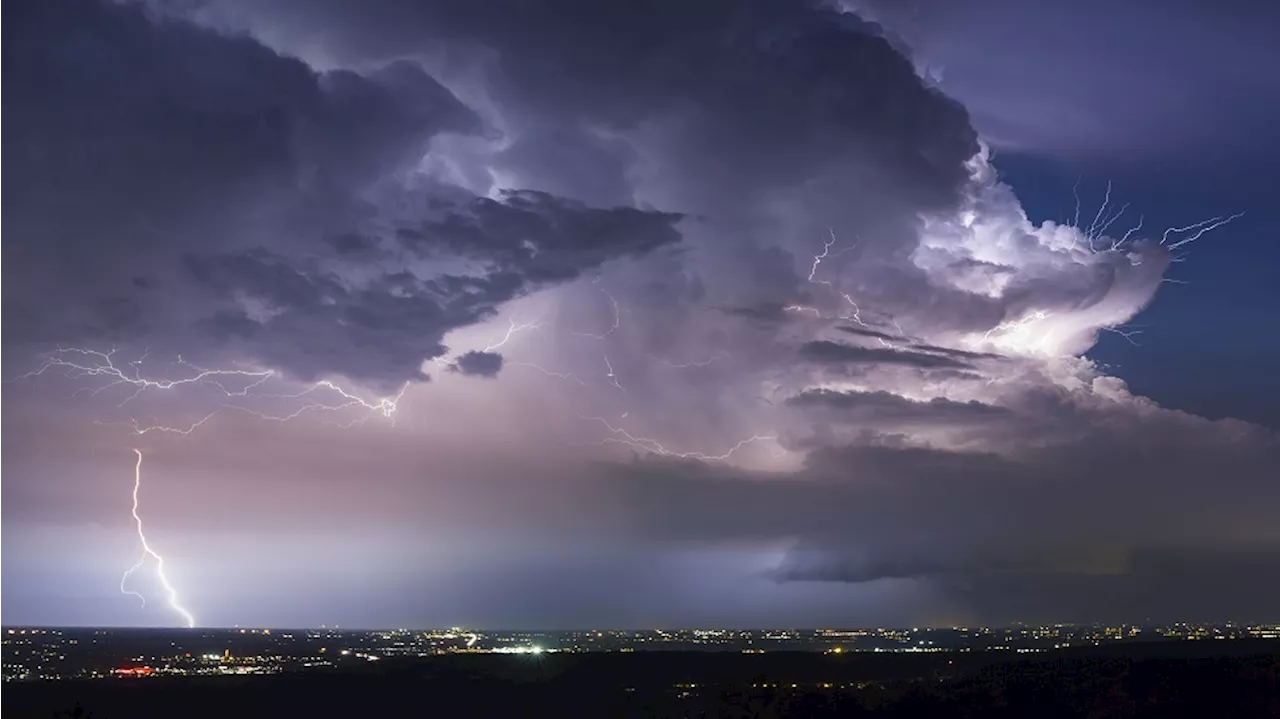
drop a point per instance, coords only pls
(714, 221)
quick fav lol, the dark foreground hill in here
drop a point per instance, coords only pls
(1183, 679)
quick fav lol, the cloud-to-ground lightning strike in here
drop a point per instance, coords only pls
(80, 363)
(171, 594)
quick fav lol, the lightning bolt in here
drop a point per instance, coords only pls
(1010, 326)
(1127, 334)
(803, 308)
(566, 376)
(79, 363)
(1173, 238)
(1199, 228)
(1170, 238)
(653, 446)
(139, 428)
(102, 364)
(170, 593)
(619, 435)
(385, 406)
(617, 316)
(812, 279)
(612, 376)
(514, 328)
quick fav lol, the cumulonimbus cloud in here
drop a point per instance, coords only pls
(208, 194)
(781, 231)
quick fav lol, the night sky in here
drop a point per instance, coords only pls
(571, 314)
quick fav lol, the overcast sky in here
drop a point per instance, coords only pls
(566, 314)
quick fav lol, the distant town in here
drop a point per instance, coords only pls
(47, 654)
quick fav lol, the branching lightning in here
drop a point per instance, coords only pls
(171, 594)
(511, 330)
(385, 406)
(1127, 334)
(653, 446)
(1099, 242)
(1199, 228)
(1013, 325)
(1171, 238)
(234, 387)
(611, 375)
(826, 254)
(139, 428)
(80, 363)
(566, 376)
(102, 364)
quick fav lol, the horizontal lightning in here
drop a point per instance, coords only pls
(102, 364)
(653, 446)
(1199, 228)
(79, 363)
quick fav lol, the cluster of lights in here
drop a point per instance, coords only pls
(520, 650)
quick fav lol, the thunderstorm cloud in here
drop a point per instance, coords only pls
(764, 323)
(479, 364)
(204, 190)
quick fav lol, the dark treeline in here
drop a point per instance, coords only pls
(1184, 679)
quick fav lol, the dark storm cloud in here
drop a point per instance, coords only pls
(150, 148)
(836, 353)
(873, 334)
(769, 121)
(479, 364)
(888, 406)
(958, 353)
(800, 70)
(199, 190)
(765, 313)
(1124, 508)
(543, 238)
(313, 322)
(802, 565)
(357, 247)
